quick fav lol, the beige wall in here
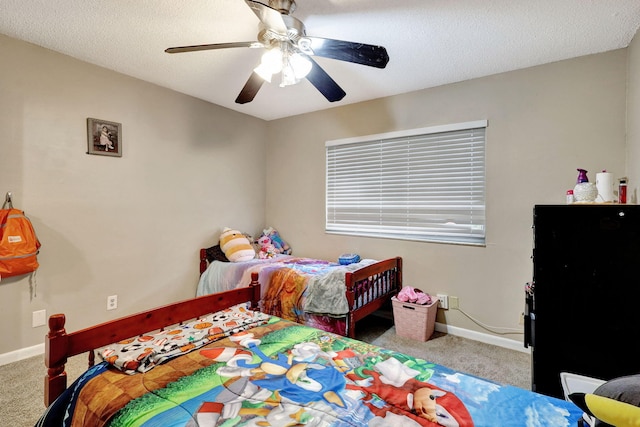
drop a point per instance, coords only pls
(544, 122)
(633, 119)
(129, 226)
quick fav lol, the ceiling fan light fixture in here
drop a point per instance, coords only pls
(270, 64)
(295, 67)
(300, 64)
(282, 59)
(264, 72)
(305, 43)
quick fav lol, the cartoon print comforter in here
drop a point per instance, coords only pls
(285, 374)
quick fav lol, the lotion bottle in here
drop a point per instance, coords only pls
(584, 191)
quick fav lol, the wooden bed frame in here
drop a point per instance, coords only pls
(60, 345)
(383, 280)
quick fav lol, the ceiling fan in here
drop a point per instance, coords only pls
(289, 52)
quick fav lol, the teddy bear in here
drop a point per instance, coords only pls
(267, 248)
(281, 247)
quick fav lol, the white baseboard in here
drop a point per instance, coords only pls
(23, 353)
(482, 337)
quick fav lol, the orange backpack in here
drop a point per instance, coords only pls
(18, 242)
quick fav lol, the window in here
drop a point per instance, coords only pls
(426, 184)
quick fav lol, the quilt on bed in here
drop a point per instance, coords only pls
(285, 374)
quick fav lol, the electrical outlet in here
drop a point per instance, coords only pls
(521, 320)
(112, 302)
(454, 303)
(38, 318)
(443, 301)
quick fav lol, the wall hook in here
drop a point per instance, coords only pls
(8, 201)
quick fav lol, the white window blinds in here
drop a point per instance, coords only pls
(428, 185)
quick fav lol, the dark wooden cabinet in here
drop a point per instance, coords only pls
(584, 313)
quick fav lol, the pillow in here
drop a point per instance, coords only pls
(236, 246)
(625, 389)
(215, 253)
(616, 402)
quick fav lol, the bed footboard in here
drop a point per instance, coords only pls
(370, 287)
(60, 345)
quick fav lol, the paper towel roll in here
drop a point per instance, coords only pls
(604, 184)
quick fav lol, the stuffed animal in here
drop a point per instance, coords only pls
(267, 249)
(615, 402)
(236, 246)
(611, 411)
(281, 247)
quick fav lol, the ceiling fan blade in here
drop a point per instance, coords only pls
(195, 48)
(270, 17)
(324, 83)
(359, 53)
(250, 89)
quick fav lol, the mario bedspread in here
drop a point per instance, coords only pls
(284, 374)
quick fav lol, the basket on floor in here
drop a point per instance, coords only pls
(415, 321)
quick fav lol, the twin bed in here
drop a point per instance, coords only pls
(318, 293)
(232, 365)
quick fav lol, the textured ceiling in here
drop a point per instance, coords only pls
(430, 42)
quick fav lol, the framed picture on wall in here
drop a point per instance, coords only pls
(104, 138)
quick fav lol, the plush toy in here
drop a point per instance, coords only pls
(267, 249)
(236, 246)
(281, 247)
(616, 402)
(610, 411)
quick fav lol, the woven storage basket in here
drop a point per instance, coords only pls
(415, 321)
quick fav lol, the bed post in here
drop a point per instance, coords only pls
(399, 274)
(255, 299)
(351, 322)
(203, 260)
(55, 382)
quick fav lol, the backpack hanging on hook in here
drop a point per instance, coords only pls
(18, 242)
